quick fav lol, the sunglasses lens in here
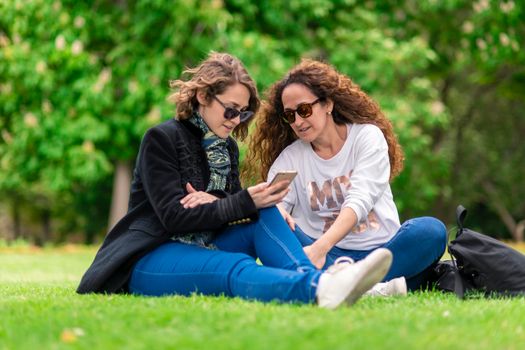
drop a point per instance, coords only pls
(289, 116)
(230, 113)
(304, 110)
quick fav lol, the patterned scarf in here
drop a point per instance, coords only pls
(217, 153)
(219, 163)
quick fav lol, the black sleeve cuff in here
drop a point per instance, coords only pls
(219, 193)
(238, 206)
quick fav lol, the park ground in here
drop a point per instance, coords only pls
(40, 310)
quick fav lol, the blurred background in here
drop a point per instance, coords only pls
(81, 81)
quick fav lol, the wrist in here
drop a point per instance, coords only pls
(322, 245)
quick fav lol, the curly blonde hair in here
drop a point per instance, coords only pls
(213, 76)
(351, 105)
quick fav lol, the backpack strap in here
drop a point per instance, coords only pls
(459, 286)
(461, 214)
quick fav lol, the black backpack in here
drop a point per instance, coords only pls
(480, 263)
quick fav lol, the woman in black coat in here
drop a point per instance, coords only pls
(190, 227)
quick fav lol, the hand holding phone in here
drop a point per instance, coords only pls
(262, 198)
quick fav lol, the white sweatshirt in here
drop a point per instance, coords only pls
(356, 177)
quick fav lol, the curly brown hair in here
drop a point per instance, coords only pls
(351, 105)
(213, 76)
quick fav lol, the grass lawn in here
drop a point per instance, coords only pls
(40, 310)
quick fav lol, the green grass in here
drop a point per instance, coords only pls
(40, 310)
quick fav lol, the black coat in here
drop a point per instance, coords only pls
(170, 156)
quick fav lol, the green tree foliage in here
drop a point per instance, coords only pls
(51, 120)
(479, 71)
(80, 82)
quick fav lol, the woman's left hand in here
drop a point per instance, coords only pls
(287, 217)
(195, 198)
(316, 256)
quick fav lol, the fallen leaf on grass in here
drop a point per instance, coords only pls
(70, 335)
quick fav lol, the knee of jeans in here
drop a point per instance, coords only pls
(438, 231)
(241, 259)
(239, 262)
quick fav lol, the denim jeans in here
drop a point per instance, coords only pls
(417, 245)
(287, 275)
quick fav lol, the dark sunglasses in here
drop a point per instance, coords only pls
(230, 113)
(304, 110)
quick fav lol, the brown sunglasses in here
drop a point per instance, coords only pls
(303, 109)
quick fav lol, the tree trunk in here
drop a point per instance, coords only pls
(515, 229)
(17, 227)
(520, 231)
(89, 236)
(120, 197)
(46, 225)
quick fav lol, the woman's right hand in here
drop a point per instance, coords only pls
(265, 196)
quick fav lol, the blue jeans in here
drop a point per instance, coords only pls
(179, 268)
(416, 246)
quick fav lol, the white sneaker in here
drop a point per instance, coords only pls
(346, 281)
(394, 287)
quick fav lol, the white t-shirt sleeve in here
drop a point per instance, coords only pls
(371, 174)
(284, 163)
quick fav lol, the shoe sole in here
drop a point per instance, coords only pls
(376, 266)
(401, 287)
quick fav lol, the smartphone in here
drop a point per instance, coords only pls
(283, 175)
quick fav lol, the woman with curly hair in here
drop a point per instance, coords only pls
(190, 227)
(318, 122)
